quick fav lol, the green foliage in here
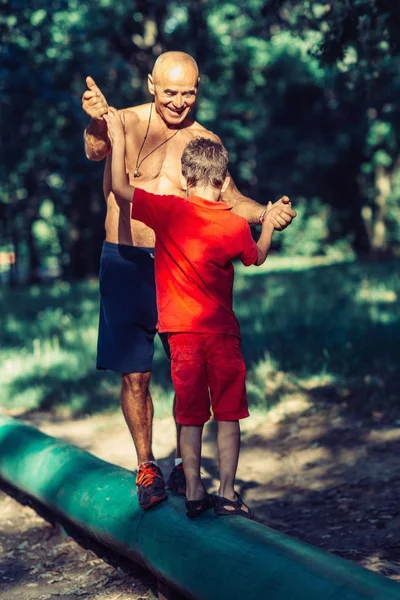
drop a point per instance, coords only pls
(311, 232)
(48, 352)
(46, 55)
(359, 44)
(302, 93)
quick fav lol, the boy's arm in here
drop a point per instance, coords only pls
(150, 209)
(119, 179)
(264, 241)
(268, 228)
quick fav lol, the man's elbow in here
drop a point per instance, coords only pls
(94, 156)
(94, 150)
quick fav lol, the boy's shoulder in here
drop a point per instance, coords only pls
(237, 220)
(234, 222)
(155, 196)
(157, 202)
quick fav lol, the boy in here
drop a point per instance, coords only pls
(197, 238)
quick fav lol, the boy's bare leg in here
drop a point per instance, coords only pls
(191, 456)
(228, 456)
(178, 427)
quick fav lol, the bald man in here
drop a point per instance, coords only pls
(156, 135)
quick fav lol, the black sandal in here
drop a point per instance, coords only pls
(236, 506)
(194, 508)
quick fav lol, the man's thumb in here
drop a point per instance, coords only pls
(90, 82)
(269, 205)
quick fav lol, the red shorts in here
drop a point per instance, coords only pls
(208, 367)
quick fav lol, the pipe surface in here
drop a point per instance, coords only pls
(208, 558)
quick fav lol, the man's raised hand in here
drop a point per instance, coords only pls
(93, 101)
(280, 214)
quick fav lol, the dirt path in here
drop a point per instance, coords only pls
(39, 562)
(307, 471)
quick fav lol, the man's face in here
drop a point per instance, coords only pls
(175, 91)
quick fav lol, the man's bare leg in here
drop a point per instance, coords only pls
(138, 410)
(137, 407)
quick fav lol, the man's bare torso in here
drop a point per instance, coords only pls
(159, 172)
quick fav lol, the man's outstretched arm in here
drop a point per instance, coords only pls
(255, 213)
(97, 144)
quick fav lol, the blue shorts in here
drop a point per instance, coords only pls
(128, 309)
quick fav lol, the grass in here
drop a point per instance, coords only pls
(331, 330)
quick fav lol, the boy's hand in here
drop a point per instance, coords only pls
(280, 214)
(115, 128)
(93, 101)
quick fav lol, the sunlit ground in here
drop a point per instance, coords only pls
(321, 345)
(314, 473)
(329, 329)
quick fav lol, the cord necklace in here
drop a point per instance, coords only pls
(136, 172)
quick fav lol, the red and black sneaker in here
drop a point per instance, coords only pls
(177, 480)
(150, 485)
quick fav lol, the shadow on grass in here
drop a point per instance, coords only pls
(337, 324)
(86, 395)
(332, 329)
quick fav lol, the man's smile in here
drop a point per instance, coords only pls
(176, 111)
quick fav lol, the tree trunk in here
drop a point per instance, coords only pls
(375, 221)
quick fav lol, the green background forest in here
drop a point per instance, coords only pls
(305, 97)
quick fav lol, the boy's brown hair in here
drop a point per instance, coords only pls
(204, 163)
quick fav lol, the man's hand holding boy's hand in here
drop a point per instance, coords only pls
(280, 214)
(114, 125)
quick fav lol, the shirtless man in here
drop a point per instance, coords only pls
(156, 135)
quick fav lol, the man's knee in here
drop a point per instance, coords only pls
(136, 384)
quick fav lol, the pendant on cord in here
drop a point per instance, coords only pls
(136, 172)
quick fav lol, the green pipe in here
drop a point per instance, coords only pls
(208, 558)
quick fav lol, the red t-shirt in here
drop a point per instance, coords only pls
(196, 241)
